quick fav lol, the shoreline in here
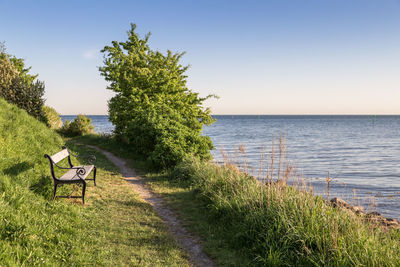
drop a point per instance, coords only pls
(337, 163)
(224, 206)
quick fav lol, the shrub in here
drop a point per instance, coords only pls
(51, 117)
(153, 110)
(81, 125)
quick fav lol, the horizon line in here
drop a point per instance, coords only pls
(334, 114)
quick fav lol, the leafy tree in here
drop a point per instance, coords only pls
(19, 65)
(7, 69)
(7, 73)
(153, 110)
(19, 87)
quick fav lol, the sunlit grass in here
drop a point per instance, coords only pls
(245, 221)
(278, 224)
(115, 227)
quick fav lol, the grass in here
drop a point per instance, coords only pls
(245, 222)
(179, 197)
(277, 224)
(129, 228)
(115, 227)
(195, 216)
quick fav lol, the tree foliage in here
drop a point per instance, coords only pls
(153, 109)
(7, 73)
(26, 96)
(19, 87)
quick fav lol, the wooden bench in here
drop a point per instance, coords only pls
(74, 175)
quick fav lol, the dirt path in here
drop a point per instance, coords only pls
(188, 242)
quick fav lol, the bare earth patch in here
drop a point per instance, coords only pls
(188, 242)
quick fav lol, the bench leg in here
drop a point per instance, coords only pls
(55, 191)
(94, 175)
(83, 193)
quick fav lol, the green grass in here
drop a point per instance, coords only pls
(130, 230)
(244, 222)
(195, 216)
(115, 227)
(280, 225)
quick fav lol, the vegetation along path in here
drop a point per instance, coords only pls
(187, 241)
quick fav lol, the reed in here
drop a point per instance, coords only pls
(275, 223)
(246, 220)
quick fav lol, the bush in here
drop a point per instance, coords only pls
(81, 125)
(153, 110)
(51, 117)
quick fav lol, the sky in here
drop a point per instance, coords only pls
(259, 57)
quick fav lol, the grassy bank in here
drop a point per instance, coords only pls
(115, 227)
(244, 222)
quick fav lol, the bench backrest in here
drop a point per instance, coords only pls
(60, 155)
(57, 158)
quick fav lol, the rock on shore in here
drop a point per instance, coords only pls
(373, 217)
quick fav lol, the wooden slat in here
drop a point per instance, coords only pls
(71, 174)
(60, 155)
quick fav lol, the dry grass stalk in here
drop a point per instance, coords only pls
(328, 185)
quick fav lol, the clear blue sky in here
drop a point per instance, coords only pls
(260, 57)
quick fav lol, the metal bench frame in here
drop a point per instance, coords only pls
(80, 171)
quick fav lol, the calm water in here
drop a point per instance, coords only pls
(359, 152)
(100, 122)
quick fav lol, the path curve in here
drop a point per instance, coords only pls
(188, 242)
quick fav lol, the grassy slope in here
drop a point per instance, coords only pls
(245, 223)
(115, 227)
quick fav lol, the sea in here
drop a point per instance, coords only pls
(361, 154)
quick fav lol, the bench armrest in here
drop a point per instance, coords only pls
(90, 158)
(64, 168)
(80, 171)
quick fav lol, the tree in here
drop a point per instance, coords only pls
(7, 73)
(18, 64)
(26, 96)
(19, 87)
(153, 110)
(7, 69)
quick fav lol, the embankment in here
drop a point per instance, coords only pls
(115, 227)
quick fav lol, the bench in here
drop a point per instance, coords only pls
(74, 174)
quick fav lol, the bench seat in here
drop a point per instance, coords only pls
(71, 174)
(74, 174)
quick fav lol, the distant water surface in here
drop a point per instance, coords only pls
(100, 122)
(359, 152)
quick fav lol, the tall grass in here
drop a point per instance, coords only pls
(281, 225)
(263, 221)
